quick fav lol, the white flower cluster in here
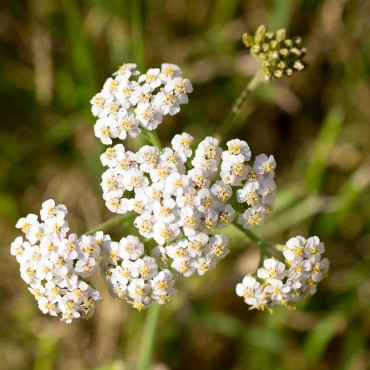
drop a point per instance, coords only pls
(279, 283)
(180, 208)
(125, 104)
(55, 265)
(133, 276)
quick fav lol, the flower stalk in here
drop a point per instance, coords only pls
(231, 118)
(148, 337)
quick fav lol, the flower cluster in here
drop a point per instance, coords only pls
(55, 264)
(180, 208)
(129, 100)
(133, 276)
(181, 198)
(279, 283)
(277, 55)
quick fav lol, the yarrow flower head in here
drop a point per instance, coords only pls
(130, 101)
(286, 283)
(56, 264)
(277, 55)
(181, 205)
(182, 198)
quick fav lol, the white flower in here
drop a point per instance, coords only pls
(251, 217)
(225, 216)
(197, 244)
(36, 233)
(128, 125)
(110, 85)
(287, 284)
(112, 155)
(176, 183)
(147, 267)
(126, 163)
(151, 78)
(160, 255)
(249, 194)
(166, 211)
(169, 72)
(181, 143)
(114, 202)
(167, 102)
(105, 129)
(138, 289)
(264, 164)
(178, 249)
(199, 177)
(272, 269)
(99, 103)
(203, 265)
(190, 219)
(57, 227)
(267, 190)
(86, 267)
(294, 249)
(125, 90)
(141, 94)
(50, 210)
(134, 179)
(209, 149)
(189, 197)
(180, 87)
(169, 158)
(233, 171)
(26, 223)
(209, 221)
(249, 289)
(18, 248)
(218, 246)
(221, 191)
(183, 266)
(163, 233)
(88, 247)
(277, 290)
(144, 223)
(147, 157)
(239, 149)
(207, 201)
(162, 283)
(314, 248)
(125, 71)
(131, 248)
(111, 253)
(149, 115)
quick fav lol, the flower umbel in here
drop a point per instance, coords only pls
(279, 283)
(56, 265)
(277, 55)
(182, 198)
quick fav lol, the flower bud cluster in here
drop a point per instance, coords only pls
(129, 100)
(277, 55)
(286, 283)
(55, 265)
(133, 276)
(181, 208)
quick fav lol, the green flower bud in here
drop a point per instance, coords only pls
(277, 55)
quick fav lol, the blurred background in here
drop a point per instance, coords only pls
(56, 54)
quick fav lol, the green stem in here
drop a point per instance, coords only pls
(253, 237)
(238, 104)
(137, 25)
(148, 337)
(153, 138)
(108, 224)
